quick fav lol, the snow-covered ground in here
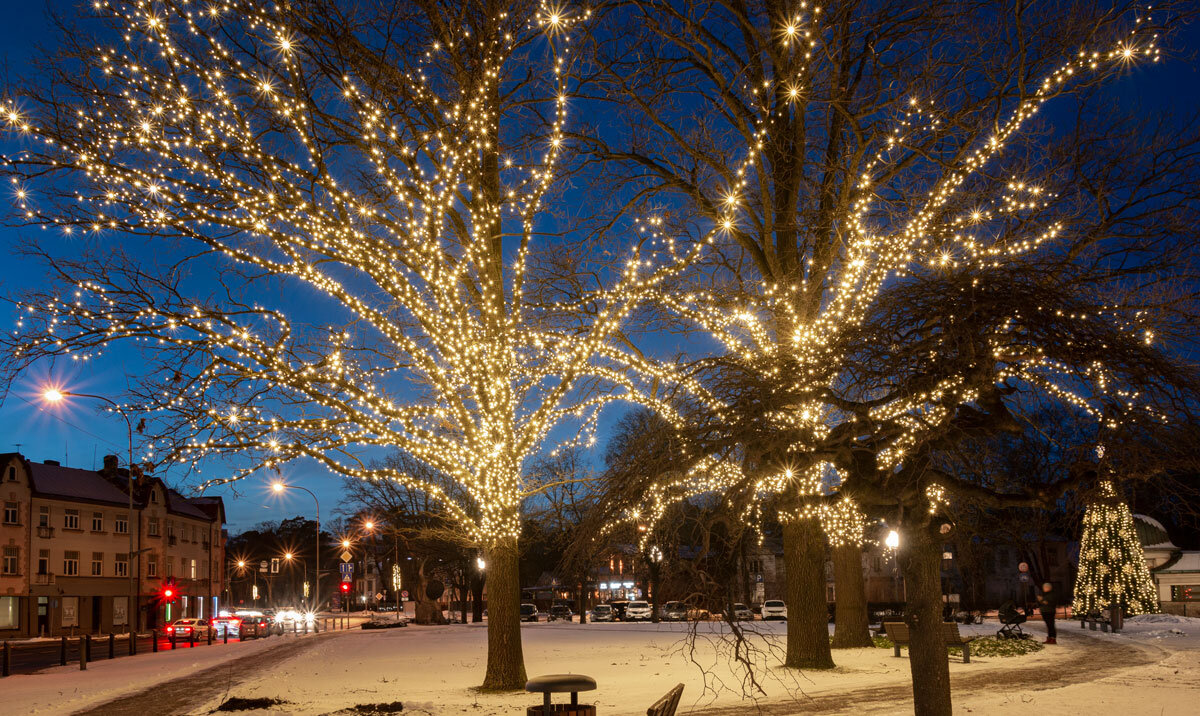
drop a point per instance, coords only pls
(1153, 667)
(433, 670)
(65, 689)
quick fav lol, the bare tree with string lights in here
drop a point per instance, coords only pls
(896, 144)
(317, 225)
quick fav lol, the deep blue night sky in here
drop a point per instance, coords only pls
(79, 435)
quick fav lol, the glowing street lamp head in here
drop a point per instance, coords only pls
(345, 543)
(287, 556)
(278, 486)
(369, 525)
(480, 563)
(241, 564)
(893, 539)
(53, 395)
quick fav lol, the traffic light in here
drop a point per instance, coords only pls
(345, 587)
(168, 593)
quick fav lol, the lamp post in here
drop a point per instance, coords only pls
(279, 486)
(893, 543)
(290, 558)
(54, 395)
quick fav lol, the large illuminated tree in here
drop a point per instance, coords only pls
(896, 142)
(317, 226)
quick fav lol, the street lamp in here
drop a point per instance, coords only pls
(893, 543)
(289, 558)
(279, 486)
(54, 396)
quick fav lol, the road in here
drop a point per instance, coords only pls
(29, 657)
(183, 694)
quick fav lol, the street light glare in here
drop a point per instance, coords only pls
(278, 486)
(893, 539)
(287, 555)
(369, 525)
(53, 395)
(345, 543)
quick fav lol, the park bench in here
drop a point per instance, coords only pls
(899, 633)
(667, 704)
(1095, 619)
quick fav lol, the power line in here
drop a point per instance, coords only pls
(66, 422)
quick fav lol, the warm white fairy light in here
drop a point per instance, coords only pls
(788, 334)
(233, 147)
(1112, 563)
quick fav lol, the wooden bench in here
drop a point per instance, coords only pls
(899, 633)
(667, 704)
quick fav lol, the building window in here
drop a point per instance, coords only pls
(122, 565)
(97, 564)
(192, 568)
(153, 527)
(43, 516)
(43, 561)
(170, 528)
(71, 520)
(170, 566)
(152, 566)
(12, 556)
(12, 474)
(11, 512)
(10, 612)
(154, 496)
(97, 521)
(71, 563)
(121, 524)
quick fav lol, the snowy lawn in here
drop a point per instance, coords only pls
(433, 670)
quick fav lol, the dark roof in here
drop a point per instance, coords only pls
(213, 506)
(74, 484)
(179, 504)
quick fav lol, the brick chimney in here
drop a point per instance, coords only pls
(110, 465)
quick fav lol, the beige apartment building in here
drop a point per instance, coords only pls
(65, 560)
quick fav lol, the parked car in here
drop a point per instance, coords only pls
(226, 625)
(673, 612)
(560, 611)
(254, 624)
(638, 612)
(602, 613)
(618, 608)
(741, 612)
(774, 609)
(186, 628)
(529, 613)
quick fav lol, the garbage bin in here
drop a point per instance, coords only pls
(561, 684)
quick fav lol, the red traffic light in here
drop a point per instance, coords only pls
(345, 587)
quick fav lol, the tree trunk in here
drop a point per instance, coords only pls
(920, 561)
(654, 590)
(808, 615)
(506, 663)
(581, 602)
(850, 627)
(476, 598)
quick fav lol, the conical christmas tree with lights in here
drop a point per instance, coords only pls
(1112, 565)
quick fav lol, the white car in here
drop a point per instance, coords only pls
(638, 611)
(741, 612)
(774, 609)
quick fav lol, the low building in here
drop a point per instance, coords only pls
(73, 552)
(1176, 572)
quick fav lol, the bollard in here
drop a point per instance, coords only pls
(174, 643)
(306, 627)
(133, 637)
(84, 648)
(62, 653)
(6, 666)
(191, 638)
(295, 628)
(225, 634)
(154, 641)
(210, 636)
(87, 644)
(112, 646)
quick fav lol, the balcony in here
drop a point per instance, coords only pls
(43, 579)
(45, 532)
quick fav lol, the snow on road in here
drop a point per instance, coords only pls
(65, 689)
